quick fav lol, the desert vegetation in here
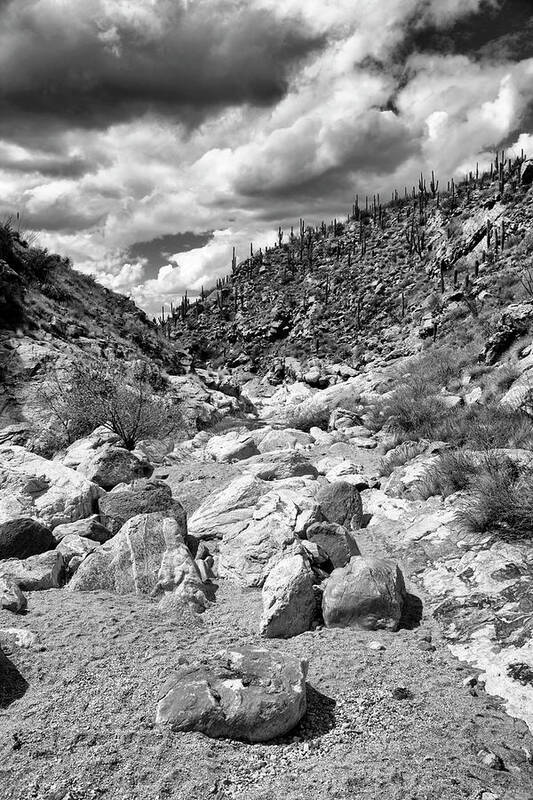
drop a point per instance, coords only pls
(127, 398)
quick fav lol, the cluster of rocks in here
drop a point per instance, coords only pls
(95, 519)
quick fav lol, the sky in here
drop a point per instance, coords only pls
(146, 138)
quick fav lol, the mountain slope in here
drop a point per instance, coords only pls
(430, 263)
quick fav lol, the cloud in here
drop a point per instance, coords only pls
(95, 62)
(145, 139)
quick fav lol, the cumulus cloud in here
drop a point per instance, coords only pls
(145, 140)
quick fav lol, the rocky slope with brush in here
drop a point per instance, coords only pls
(428, 264)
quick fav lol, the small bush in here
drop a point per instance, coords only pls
(400, 455)
(484, 427)
(453, 472)
(408, 412)
(500, 501)
(114, 394)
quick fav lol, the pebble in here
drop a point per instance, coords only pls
(376, 646)
(491, 760)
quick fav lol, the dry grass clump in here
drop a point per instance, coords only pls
(498, 491)
(500, 501)
(400, 455)
(454, 472)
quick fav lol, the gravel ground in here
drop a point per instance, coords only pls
(76, 722)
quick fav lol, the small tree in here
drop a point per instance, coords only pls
(124, 397)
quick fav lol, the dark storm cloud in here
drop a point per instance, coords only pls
(156, 252)
(87, 69)
(49, 167)
(502, 31)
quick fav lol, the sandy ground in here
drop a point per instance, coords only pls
(76, 719)
(77, 709)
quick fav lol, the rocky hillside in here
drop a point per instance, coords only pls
(51, 316)
(437, 262)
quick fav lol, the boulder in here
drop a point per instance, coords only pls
(245, 694)
(112, 465)
(287, 439)
(43, 571)
(410, 480)
(281, 465)
(147, 556)
(232, 446)
(340, 503)
(143, 497)
(31, 486)
(82, 449)
(336, 541)
(23, 537)
(154, 451)
(228, 510)
(366, 593)
(11, 597)
(89, 528)
(247, 554)
(74, 550)
(289, 603)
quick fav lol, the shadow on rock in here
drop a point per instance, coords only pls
(412, 612)
(210, 590)
(12, 684)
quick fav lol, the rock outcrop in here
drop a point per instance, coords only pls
(141, 497)
(31, 486)
(11, 596)
(36, 573)
(340, 503)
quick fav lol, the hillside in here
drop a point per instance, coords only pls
(437, 263)
(52, 315)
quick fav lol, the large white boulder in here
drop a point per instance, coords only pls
(43, 571)
(286, 439)
(47, 491)
(147, 556)
(232, 446)
(289, 602)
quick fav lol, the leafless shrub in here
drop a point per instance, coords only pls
(114, 394)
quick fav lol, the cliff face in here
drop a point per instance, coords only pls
(432, 264)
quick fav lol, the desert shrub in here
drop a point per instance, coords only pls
(38, 263)
(483, 427)
(115, 394)
(453, 472)
(504, 378)
(400, 455)
(500, 501)
(6, 241)
(408, 412)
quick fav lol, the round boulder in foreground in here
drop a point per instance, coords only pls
(247, 694)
